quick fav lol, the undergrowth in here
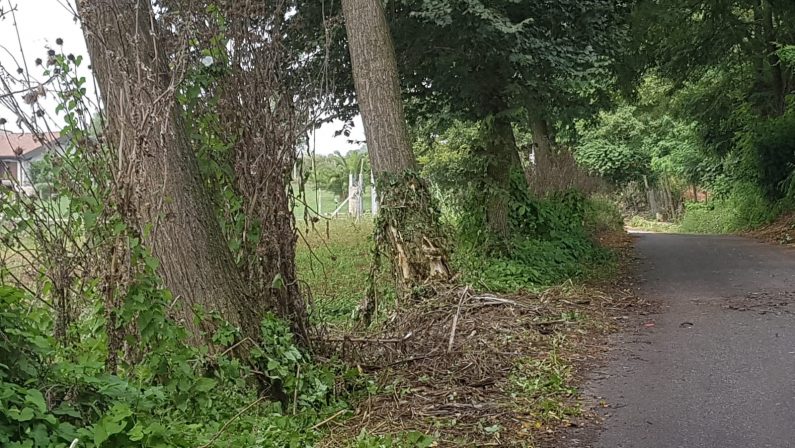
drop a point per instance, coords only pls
(543, 385)
(744, 208)
(176, 396)
(559, 247)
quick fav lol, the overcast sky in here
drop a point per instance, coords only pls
(41, 22)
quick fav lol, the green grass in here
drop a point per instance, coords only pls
(641, 223)
(333, 260)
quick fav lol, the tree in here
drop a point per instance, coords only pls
(727, 61)
(173, 209)
(490, 61)
(685, 40)
(503, 62)
(408, 222)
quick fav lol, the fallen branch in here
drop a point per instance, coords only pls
(493, 300)
(363, 340)
(455, 320)
(337, 414)
(553, 322)
(401, 361)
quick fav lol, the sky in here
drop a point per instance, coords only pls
(41, 22)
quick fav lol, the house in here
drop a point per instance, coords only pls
(18, 151)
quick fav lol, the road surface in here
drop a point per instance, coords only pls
(716, 367)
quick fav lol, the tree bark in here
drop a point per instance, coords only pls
(408, 218)
(542, 149)
(774, 61)
(172, 207)
(541, 135)
(502, 160)
(378, 87)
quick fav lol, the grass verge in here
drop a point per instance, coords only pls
(646, 225)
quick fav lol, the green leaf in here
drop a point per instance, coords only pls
(492, 429)
(137, 433)
(278, 282)
(34, 397)
(25, 415)
(204, 385)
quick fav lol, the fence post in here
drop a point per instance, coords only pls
(373, 196)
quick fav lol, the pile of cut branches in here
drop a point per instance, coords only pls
(781, 231)
(451, 366)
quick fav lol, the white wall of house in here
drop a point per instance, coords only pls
(23, 170)
(24, 173)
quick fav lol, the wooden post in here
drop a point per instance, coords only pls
(373, 196)
(360, 196)
(351, 201)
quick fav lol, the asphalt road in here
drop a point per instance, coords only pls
(716, 367)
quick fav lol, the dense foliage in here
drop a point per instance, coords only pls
(176, 396)
(684, 108)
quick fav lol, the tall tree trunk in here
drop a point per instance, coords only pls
(259, 116)
(773, 60)
(543, 139)
(542, 150)
(145, 128)
(409, 221)
(502, 160)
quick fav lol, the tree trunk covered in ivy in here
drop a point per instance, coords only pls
(172, 207)
(502, 160)
(408, 219)
(258, 112)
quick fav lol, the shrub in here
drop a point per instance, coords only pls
(602, 214)
(558, 247)
(772, 145)
(744, 208)
(175, 397)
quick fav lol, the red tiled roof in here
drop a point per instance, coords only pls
(14, 145)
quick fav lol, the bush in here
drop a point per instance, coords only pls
(772, 145)
(558, 247)
(743, 209)
(602, 214)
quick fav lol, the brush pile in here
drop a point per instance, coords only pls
(453, 366)
(781, 231)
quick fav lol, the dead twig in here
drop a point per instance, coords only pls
(337, 414)
(455, 319)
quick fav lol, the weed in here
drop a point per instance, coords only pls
(543, 385)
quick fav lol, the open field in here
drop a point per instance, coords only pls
(333, 260)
